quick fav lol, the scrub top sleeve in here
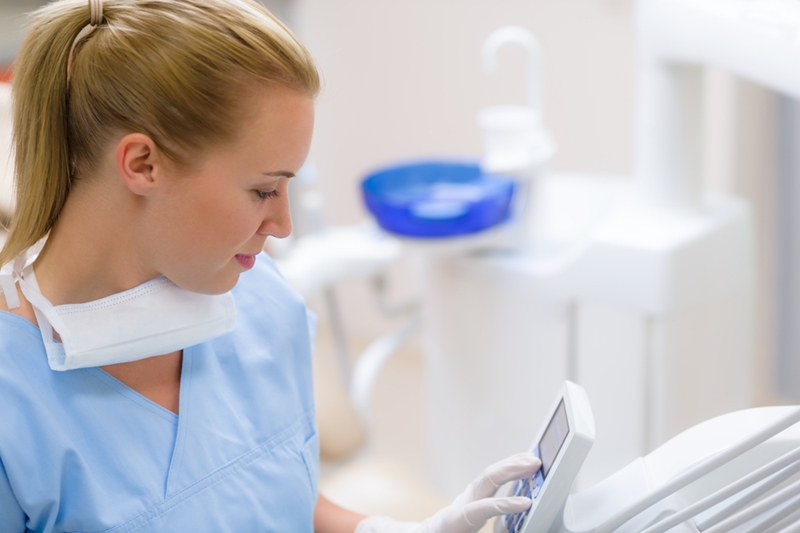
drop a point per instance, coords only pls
(12, 517)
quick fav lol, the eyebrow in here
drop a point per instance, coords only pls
(280, 174)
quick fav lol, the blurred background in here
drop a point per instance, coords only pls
(403, 81)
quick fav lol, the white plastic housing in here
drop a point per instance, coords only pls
(565, 467)
(514, 140)
(757, 40)
(588, 509)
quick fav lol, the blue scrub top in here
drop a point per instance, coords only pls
(80, 451)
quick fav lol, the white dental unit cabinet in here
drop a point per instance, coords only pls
(639, 289)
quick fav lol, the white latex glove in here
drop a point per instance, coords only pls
(469, 511)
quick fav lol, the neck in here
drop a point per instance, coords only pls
(91, 252)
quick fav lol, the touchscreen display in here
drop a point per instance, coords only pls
(553, 438)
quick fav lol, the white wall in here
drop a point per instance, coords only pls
(403, 80)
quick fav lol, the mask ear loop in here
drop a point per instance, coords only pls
(8, 281)
(56, 353)
(95, 20)
(17, 271)
(12, 271)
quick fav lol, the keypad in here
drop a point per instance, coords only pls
(530, 487)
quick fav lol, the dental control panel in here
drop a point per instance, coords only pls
(562, 444)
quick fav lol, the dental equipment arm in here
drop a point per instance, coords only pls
(759, 482)
(470, 510)
(703, 469)
(371, 363)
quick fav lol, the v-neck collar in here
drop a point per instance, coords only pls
(181, 419)
(185, 413)
(136, 397)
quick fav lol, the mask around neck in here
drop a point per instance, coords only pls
(155, 318)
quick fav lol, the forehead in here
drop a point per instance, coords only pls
(273, 134)
(276, 119)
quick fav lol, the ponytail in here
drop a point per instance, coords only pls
(41, 137)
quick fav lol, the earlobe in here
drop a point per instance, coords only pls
(138, 163)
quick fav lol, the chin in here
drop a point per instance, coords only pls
(224, 286)
(220, 285)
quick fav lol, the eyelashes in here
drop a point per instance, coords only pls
(272, 191)
(267, 195)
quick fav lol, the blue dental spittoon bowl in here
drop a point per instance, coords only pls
(437, 199)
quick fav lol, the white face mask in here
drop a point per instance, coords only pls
(155, 318)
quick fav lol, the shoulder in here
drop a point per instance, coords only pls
(19, 338)
(21, 345)
(24, 310)
(23, 365)
(25, 382)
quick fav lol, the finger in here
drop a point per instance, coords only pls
(515, 467)
(477, 513)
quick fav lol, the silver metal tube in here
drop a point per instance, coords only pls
(370, 365)
(758, 509)
(750, 496)
(699, 471)
(785, 466)
(789, 509)
(793, 527)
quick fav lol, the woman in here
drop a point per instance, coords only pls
(154, 140)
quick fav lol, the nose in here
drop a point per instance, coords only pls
(278, 220)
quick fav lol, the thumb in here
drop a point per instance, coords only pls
(477, 513)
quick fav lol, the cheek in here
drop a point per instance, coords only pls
(224, 222)
(205, 225)
(192, 227)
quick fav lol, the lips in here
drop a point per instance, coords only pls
(247, 261)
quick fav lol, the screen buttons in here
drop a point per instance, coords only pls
(537, 488)
(530, 487)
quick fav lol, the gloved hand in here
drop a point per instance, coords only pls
(469, 511)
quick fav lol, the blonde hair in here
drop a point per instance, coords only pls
(175, 70)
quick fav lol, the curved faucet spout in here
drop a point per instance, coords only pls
(522, 37)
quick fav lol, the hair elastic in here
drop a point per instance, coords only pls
(96, 18)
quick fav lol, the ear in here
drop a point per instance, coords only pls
(139, 163)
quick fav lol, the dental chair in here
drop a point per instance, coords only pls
(737, 473)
